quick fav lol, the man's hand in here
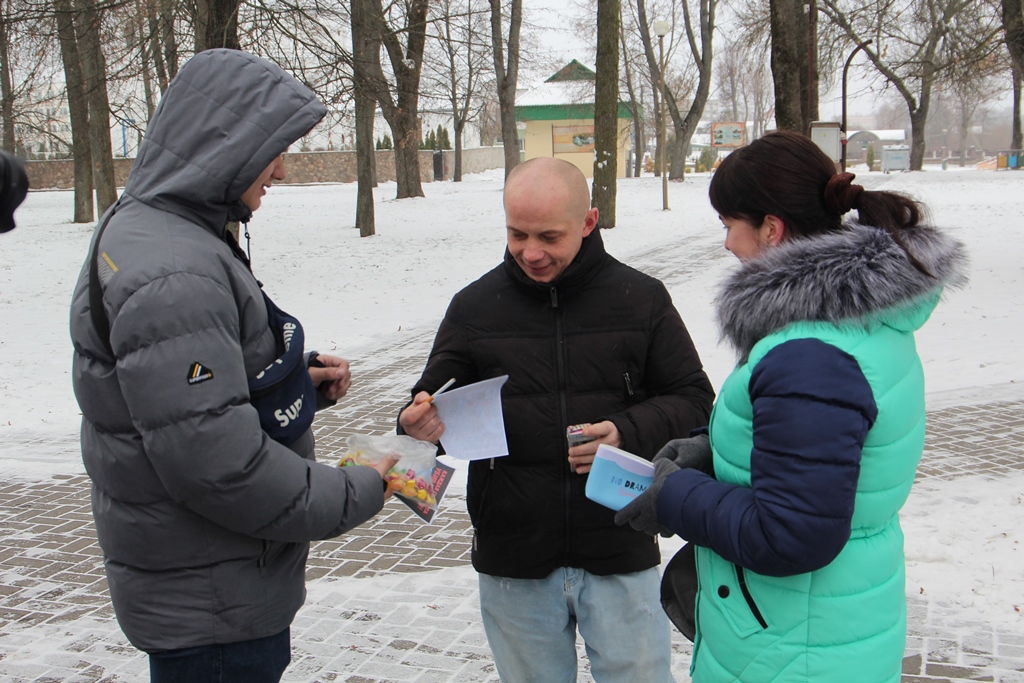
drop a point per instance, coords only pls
(332, 380)
(382, 467)
(420, 419)
(582, 457)
(642, 513)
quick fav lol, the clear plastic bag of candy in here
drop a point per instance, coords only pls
(412, 478)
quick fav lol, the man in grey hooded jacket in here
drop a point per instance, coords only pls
(205, 511)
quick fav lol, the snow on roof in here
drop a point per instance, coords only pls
(557, 92)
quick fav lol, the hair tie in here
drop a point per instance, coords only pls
(841, 195)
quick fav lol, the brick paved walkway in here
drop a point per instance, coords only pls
(395, 600)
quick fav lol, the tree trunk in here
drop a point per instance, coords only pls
(1013, 25)
(809, 57)
(78, 110)
(606, 113)
(659, 129)
(787, 39)
(460, 126)
(506, 71)
(155, 49)
(702, 56)
(365, 216)
(634, 105)
(918, 120)
(364, 44)
(407, 132)
(962, 141)
(6, 86)
(94, 71)
(1017, 137)
(147, 76)
(401, 110)
(168, 37)
(216, 23)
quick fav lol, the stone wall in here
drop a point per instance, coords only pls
(474, 160)
(301, 167)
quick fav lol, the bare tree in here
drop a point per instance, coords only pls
(915, 44)
(88, 27)
(78, 110)
(28, 70)
(632, 68)
(401, 106)
(699, 41)
(740, 76)
(970, 90)
(506, 75)
(458, 69)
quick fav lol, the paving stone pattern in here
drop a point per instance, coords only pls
(397, 624)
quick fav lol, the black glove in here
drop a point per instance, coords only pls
(642, 513)
(694, 452)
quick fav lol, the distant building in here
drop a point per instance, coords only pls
(858, 141)
(556, 119)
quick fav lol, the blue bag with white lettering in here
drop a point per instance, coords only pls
(283, 393)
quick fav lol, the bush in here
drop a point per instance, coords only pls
(705, 161)
(871, 158)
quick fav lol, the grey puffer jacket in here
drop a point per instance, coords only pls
(204, 521)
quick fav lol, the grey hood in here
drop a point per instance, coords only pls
(854, 275)
(242, 112)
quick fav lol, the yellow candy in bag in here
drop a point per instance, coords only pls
(412, 478)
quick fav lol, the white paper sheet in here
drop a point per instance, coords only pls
(473, 425)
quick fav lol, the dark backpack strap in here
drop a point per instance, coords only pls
(96, 309)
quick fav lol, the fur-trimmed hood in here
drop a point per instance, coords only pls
(855, 275)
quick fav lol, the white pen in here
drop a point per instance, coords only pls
(444, 387)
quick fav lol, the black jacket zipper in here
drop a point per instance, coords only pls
(563, 410)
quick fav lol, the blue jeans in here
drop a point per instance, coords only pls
(531, 626)
(262, 660)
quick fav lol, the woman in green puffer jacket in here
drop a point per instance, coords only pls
(816, 435)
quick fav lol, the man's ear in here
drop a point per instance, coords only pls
(590, 222)
(775, 229)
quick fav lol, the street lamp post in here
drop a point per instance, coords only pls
(661, 30)
(846, 67)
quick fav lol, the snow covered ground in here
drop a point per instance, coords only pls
(360, 295)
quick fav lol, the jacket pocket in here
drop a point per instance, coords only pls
(741, 578)
(477, 494)
(728, 595)
(269, 553)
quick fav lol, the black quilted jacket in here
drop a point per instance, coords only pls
(603, 342)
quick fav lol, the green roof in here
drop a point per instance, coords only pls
(563, 112)
(573, 71)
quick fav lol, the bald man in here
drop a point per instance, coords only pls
(583, 339)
